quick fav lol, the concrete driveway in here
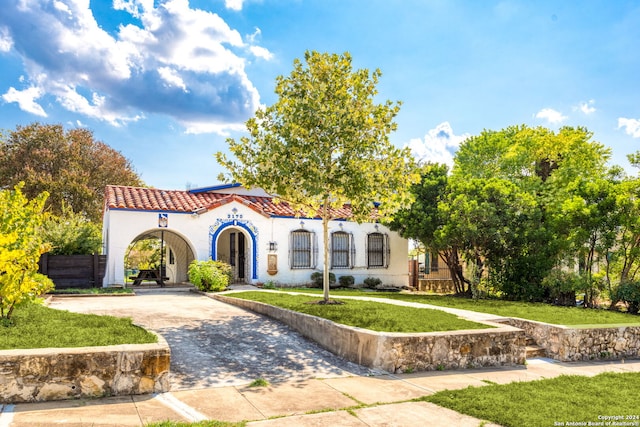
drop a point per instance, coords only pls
(214, 344)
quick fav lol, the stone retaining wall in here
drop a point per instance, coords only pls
(402, 352)
(67, 373)
(572, 344)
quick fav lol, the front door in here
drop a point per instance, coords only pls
(241, 256)
(237, 255)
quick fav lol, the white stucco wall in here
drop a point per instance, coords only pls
(121, 227)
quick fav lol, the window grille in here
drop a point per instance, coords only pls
(302, 249)
(377, 250)
(340, 250)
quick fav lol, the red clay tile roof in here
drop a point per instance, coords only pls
(152, 199)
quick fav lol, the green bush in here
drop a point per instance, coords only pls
(346, 281)
(629, 293)
(72, 234)
(561, 286)
(372, 282)
(317, 282)
(210, 276)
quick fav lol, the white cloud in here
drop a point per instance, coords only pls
(251, 38)
(26, 99)
(205, 127)
(6, 43)
(62, 7)
(631, 126)
(172, 77)
(587, 107)
(551, 115)
(130, 6)
(257, 51)
(233, 4)
(181, 62)
(261, 52)
(438, 145)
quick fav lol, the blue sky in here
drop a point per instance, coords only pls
(166, 82)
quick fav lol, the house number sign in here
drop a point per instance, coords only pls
(234, 214)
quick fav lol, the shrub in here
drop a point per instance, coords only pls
(346, 281)
(225, 268)
(629, 293)
(21, 244)
(372, 282)
(269, 284)
(72, 234)
(209, 276)
(317, 281)
(562, 286)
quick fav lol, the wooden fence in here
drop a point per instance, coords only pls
(74, 271)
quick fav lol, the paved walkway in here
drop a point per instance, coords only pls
(308, 386)
(378, 400)
(214, 344)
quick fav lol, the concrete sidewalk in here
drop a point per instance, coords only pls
(372, 401)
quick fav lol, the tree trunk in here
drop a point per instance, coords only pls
(452, 260)
(612, 294)
(325, 238)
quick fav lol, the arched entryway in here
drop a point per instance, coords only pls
(175, 256)
(236, 244)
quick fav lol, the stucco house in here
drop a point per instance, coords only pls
(263, 241)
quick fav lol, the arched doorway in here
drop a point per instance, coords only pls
(236, 244)
(232, 248)
(173, 253)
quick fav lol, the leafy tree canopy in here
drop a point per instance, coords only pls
(70, 165)
(325, 143)
(421, 219)
(532, 157)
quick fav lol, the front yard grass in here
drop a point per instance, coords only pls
(565, 400)
(37, 326)
(366, 314)
(568, 316)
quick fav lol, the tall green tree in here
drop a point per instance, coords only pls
(628, 244)
(540, 165)
(424, 221)
(591, 215)
(70, 165)
(324, 144)
(488, 219)
(623, 258)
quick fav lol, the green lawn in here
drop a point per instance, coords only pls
(37, 326)
(541, 403)
(569, 316)
(565, 400)
(365, 314)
